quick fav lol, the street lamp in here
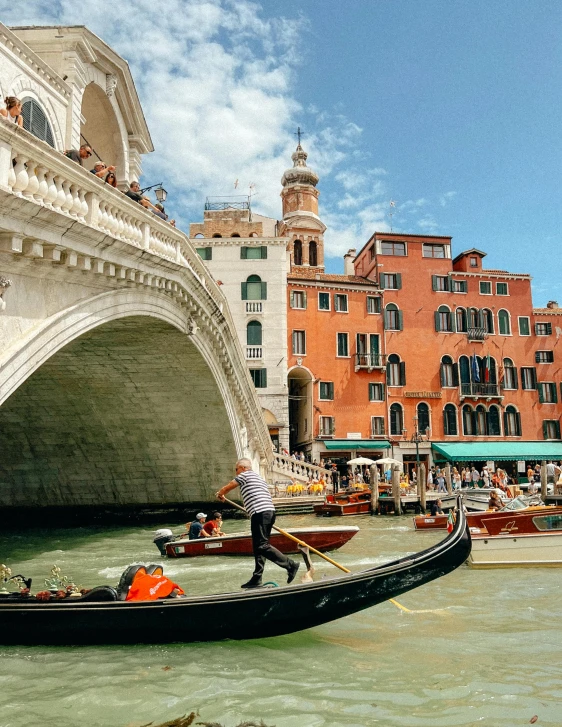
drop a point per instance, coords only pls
(416, 438)
(160, 192)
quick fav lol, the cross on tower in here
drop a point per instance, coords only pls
(298, 133)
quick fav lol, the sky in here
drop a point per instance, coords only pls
(449, 109)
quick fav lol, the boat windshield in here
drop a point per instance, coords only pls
(517, 504)
(548, 522)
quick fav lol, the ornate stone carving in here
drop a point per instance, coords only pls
(110, 84)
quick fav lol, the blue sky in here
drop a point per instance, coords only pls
(452, 109)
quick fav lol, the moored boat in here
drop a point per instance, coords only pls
(251, 614)
(354, 503)
(323, 539)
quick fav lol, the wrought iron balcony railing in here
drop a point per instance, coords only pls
(370, 361)
(480, 390)
(476, 334)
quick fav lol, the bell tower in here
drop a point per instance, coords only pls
(301, 222)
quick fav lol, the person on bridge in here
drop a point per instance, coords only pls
(259, 505)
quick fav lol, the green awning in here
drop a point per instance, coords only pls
(481, 451)
(357, 444)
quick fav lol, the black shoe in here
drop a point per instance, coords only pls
(292, 571)
(252, 583)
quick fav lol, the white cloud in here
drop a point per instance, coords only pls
(446, 198)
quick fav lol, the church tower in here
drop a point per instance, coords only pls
(301, 222)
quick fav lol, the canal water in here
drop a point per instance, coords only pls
(480, 648)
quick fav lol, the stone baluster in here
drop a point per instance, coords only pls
(43, 188)
(22, 178)
(52, 190)
(60, 200)
(76, 210)
(83, 204)
(69, 201)
(33, 182)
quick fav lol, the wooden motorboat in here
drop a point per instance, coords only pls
(323, 539)
(242, 615)
(522, 539)
(353, 503)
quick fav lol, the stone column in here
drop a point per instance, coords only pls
(396, 489)
(421, 486)
(543, 481)
(448, 479)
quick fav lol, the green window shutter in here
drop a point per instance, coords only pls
(515, 378)
(385, 320)
(402, 373)
(464, 286)
(557, 424)
(455, 374)
(303, 295)
(243, 253)
(264, 291)
(398, 281)
(541, 393)
(400, 321)
(518, 423)
(264, 253)
(549, 329)
(382, 392)
(534, 377)
(505, 423)
(292, 303)
(554, 393)
(437, 322)
(544, 430)
(434, 282)
(244, 291)
(453, 322)
(442, 374)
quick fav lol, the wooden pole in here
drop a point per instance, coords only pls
(374, 488)
(448, 479)
(396, 489)
(421, 487)
(544, 488)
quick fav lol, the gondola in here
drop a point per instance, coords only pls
(250, 614)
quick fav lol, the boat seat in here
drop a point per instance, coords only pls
(126, 580)
(154, 569)
(100, 593)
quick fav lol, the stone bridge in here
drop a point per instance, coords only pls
(122, 381)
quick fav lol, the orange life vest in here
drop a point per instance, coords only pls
(150, 588)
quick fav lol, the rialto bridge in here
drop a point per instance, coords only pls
(122, 381)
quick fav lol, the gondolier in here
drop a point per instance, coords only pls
(259, 505)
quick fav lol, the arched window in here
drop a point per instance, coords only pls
(35, 121)
(473, 318)
(511, 422)
(312, 254)
(199, 234)
(492, 374)
(460, 316)
(504, 324)
(217, 234)
(297, 252)
(235, 234)
(395, 371)
(449, 372)
(443, 319)
(450, 420)
(254, 289)
(423, 417)
(254, 333)
(468, 421)
(494, 429)
(253, 234)
(487, 320)
(509, 378)
(464, 367)
(392, 318)
(396, 420)
(481, 421)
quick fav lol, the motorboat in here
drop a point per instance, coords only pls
(353, 503)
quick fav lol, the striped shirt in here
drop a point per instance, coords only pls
(255, 492)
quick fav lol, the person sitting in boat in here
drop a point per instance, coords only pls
(495, 501)
(213, 527)
(436, 508)
(196, 529)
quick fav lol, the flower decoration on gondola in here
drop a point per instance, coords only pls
(59, 584)
(15, 582)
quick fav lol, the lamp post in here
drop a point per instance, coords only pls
(160, 192)
(416, 439)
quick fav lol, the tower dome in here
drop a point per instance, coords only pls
(299, 173)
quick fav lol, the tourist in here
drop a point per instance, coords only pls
(533, 487)
(78, 155)
(456, 479)
(436, 508)
(173, 223)
(441, 486)
(530, 473)
(196, 527)
(159, 211)
(495, 501)
(467, 477)
(552, 473)
(213, 527)
(475, 476)
(100, 170)
(486, 477)
(134, 192)
(111, 179)
(12, 112)
(430, 479)
(259, 505)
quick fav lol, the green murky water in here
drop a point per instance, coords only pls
(492, 656)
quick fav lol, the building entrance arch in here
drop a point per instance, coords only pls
(301, 423)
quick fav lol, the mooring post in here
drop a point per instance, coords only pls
(374, 489)
(544, 488)
(421, 487)
(396, 489)
(448, 479)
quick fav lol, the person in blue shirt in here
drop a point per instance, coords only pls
(196, 528)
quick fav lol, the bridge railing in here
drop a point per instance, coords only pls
(297, 469)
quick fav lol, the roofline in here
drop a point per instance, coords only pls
(467, 252)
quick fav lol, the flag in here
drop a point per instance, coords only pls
(475, 370)
(450, 521)
(487, 369)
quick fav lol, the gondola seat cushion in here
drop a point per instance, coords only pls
(100, 593)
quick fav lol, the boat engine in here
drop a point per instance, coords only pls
(161, 537)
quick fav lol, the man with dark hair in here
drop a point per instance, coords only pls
(134, 192)
(78, 155)
(259, 505)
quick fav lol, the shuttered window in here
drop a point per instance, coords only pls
(35, 121)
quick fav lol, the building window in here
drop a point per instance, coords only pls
(297, 252)
(459, 286)
(543, 329)
(443, 320)
(504, 324)
(524, 326)
(377, 426)
(392, 318)
(393, 248)
(430, 250)
(252, 253)
(259, 377)
(373, 304)
(326, 390)
(509, 379)
(323, 301)
(440, 282)
(473, 262)
(327, 426)
(487, 318)
(528, 378)
(254, 288)
(450, 420)
(312, 254)
(395, 371)
(217, 234)
(298, 299)
(485, 287)
(547, 393)
(254, 333)
(396, 420)
(423, 417)
(481, 421)
(340, 303)
(460, 316)
(474, 318)
(493, 417)
(551, 429)
(449, 372)
(544, 356)
(299, 343)
(205, 253)
(391, 281)
(35, 121)
(376, 392)
(501, 289)
(468, 421)
(511, 422)
(343, 345)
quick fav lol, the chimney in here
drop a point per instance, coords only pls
(348, 260)
(552, 304)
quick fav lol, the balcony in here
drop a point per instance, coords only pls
(253, 306)
(254, 353)
(479, 391)
(369, 361)
(477, 334)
